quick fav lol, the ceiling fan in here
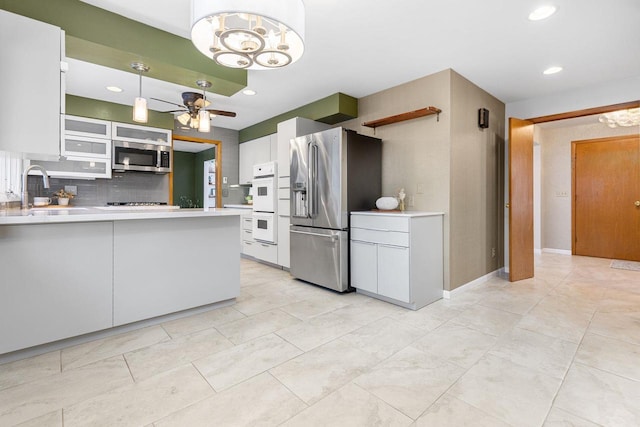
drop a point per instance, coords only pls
(194, 109)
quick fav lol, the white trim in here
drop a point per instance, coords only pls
(470, 285)
(556, 251)
(537, 251)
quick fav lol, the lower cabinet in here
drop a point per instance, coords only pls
(56, 284)
(398, 257)
(163, 266)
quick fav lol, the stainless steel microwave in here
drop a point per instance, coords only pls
(135, 156)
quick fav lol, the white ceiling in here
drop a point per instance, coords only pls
(360, 47)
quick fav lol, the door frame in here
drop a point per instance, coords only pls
(218, 159)
(574, 145)
(563, 116)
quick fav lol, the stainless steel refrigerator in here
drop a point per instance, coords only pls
(333, 172)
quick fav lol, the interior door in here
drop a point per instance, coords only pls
(520, 199)
(606, 204)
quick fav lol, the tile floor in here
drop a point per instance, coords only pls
(562, 349)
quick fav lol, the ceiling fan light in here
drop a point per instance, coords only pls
(184, 118)
(205, 123)
(140, 112)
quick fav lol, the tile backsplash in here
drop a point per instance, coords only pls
(122, 187)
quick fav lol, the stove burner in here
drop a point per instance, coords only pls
(136, 203)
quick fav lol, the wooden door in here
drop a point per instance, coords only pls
(520, 199)
(606, 188)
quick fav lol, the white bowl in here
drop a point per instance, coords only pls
(387, 203)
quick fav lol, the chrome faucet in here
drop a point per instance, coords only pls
(25, 193)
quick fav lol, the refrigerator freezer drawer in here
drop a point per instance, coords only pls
(320, 256)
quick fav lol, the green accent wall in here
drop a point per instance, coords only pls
(93, 108)
(184, 177)
(101, 37)
(333, 109)
(188, 176)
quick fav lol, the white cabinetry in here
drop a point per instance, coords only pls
(286, 131)
(137, 133)
(252, 153)
(398, 257)
(60, 293)
(86, 150)
(32, 86)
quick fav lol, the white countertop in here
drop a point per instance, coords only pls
(89, 214)
(242, 206)
(407, 214)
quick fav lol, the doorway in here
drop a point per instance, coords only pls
(520, 263)
(606, 197)
(186, 181)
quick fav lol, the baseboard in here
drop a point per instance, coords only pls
(470, 285)
(556, 251)
(537, 251)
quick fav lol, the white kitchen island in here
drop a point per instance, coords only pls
(71, 272)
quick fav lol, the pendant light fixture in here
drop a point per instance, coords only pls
(140, 112)
(204, 117)
(255, 35)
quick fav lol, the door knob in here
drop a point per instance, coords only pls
(637, 203)
(507, 206)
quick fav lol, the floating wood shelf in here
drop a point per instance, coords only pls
(404, 116)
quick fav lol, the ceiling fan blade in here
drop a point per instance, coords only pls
(222, 113)
(184, 118)
(174, 111)
(168, 102)
(199, 103)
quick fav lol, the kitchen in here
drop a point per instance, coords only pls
(430, 139)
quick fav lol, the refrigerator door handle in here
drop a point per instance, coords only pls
(312, 178)
(333, 237)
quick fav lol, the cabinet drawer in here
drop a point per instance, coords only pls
(383, 223)
(384, 237)
(262, 251)
(247, 235)
(284, 208)
(247, 222)
(283, 193)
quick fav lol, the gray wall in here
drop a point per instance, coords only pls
(122, 187)
(447, 166)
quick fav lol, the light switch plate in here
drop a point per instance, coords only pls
(225, 180)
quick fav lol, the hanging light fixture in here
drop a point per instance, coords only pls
(625, 118)
(204, 117)
(255, 35)
(140, 112)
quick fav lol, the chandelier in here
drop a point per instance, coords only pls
(630, 117)
(250, 34)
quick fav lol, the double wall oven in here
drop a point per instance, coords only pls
(264, 191)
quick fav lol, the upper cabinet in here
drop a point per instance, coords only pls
(252, 153)
(289, 129)
(32, 86)
(143, 134)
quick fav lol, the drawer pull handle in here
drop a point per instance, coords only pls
(327, 236)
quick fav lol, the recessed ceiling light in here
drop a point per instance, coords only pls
(542, 13)
(552, 70)
(249, 92)
(114, 89)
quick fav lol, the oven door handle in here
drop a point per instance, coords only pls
(328, 236)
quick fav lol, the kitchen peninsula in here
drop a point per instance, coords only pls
(69, 272)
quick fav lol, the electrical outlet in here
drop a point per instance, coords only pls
(493, 252)
(562, 194)
(73, 189)
(419, 188)
(410, 201)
